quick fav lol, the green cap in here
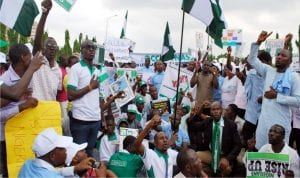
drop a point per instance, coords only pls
(139, 100)
(143, 82)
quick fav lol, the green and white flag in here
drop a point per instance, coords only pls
(66, 4)
(18, 15)
(123, 32)
(167, 51)
(210, 13)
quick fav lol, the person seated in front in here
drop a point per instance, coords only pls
(221, 142)
(50, 152)
(126, 163)
(277, 145)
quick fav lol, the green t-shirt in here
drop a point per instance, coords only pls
(125, 164)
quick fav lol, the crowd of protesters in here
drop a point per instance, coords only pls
(234, 108)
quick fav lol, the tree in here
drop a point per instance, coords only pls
(94, 40)
(67, 50)
(44, 37)
(76, 47)
(80, 39)
(13, 37)
(23, 39)
(3, 31)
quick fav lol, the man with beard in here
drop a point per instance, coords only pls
(83, 91)
(281, 91)
(158, 162)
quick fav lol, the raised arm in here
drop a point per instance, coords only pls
(16, 91)
(252, 59)
(138, 142)
(46, 7)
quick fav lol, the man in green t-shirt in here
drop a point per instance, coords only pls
(125, 163)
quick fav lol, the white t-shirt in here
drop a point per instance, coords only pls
(108, 147)
(155, 163)
(241, 98)
(293, 156)
(87, 107)
(229, 91)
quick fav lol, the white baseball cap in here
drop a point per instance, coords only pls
(49, 139)
(72, 151)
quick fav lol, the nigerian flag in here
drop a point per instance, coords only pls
(167, 51)
(18, 15)
(210, 13)
(123, 32)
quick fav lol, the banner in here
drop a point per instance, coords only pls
(119, 47)
(296, 63)
(125, 132)
(232, 37)
(122, 85)
(273, 46)
(139, 58)
(66, 4)
(266, 164)
(22, 129)
(130, 74)
(199, 40)
(169, 83)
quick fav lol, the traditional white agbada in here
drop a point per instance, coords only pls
(274, 111)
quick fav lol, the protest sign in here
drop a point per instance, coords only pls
(273, 46)
(232, 37)
(199, 40)
(66, 4)
(104, 90)
(22, 129)
(266, 164)
(119, 47)
(161, 104)
(122, 85)
(139, 58)
(130, 74)
(169, 83)
(125, 132)
(296, 63)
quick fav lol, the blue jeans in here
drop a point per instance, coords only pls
(85, 131)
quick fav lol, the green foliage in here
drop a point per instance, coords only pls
(66, 50)
(44, 37)
(277, 36)
(23, 39)
(94, 39)
(76, 47)
(13, 37)
(80, 39)
(3, 37)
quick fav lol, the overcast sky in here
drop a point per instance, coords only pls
(147, 20)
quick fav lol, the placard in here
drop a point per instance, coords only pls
(266, 164)
(122, 85)
(22, 129)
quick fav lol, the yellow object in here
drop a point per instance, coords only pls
(22, 129)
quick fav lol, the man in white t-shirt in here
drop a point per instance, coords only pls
(83, 91)
(277, 145)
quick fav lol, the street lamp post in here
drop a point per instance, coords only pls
(107, 20)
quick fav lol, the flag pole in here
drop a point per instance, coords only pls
(178, 76)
